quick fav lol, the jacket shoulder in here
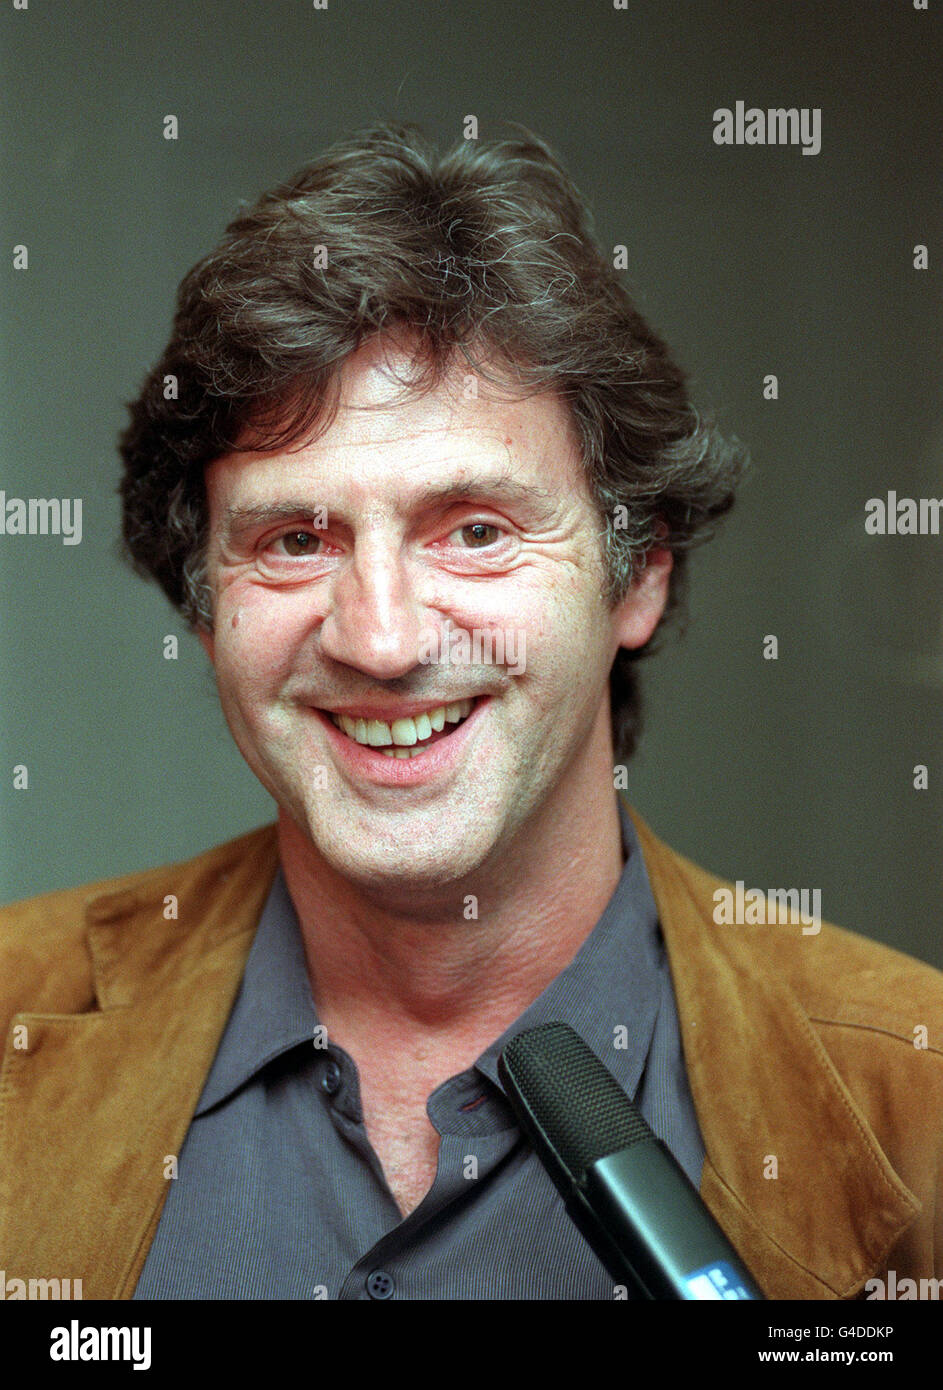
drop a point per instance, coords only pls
(838, 976)
(43, 951)
(58, 911)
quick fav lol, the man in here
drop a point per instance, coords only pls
(424, 482)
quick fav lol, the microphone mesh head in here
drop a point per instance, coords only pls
(576, 1101)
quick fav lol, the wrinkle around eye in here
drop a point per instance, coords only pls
(478, 560)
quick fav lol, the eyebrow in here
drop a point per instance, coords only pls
(237, 520)
(503, 487)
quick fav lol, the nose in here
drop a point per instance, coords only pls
(374, 616)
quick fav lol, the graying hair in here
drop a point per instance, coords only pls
(486, 252)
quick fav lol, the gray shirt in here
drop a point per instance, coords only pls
(281, 1196)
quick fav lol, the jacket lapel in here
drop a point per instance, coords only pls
(765, 1089)
(68, 1123)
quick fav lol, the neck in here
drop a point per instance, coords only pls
(425, 966)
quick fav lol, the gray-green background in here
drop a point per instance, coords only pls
(750, 260)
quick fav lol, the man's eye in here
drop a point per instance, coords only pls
(305, 542)
(479, 540)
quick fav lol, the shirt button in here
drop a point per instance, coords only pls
(331, 1078)
(380, 1284)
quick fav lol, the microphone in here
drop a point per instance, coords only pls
(625, 1191)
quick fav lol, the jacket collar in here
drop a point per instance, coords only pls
(762, 1085)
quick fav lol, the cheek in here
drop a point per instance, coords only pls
(574, 622)
(551, 607)
(258, 635)
(251, 660)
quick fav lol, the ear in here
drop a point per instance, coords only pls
(206, 640)
(639, 613)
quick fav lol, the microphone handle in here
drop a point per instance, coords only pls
(644, 1203)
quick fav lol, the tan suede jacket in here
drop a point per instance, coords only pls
(806, 1048)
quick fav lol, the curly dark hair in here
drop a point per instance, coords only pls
(489, 247)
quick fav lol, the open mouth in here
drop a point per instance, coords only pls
(409, 737)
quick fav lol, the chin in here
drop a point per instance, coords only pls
(363, 859)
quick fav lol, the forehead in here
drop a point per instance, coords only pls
(375, 403)
(384, 434)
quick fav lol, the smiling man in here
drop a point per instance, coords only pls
(407, 402)
(444, 785)
(310, 622)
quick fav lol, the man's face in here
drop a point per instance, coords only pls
(343, 576)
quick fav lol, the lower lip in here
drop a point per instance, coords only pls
(439, 757)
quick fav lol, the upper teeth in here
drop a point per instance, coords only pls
(404, 732)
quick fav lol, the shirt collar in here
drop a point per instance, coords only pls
(274, 1010)
(608, 993)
